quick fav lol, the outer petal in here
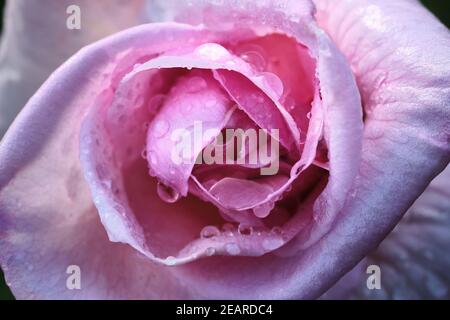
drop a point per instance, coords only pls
(36, 41)
(47, 218)
(413, 259)
(405, 97)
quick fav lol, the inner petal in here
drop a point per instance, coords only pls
(195, 111)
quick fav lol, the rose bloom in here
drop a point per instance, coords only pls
(358, 91)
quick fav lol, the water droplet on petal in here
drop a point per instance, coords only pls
(196, 84)
(273, 82)
(295, 18)
(232, 249)
(170, 261)
(209, 232)
(210, 251)
(259, 98)
(212, 51)
(263, 210)
(245, 230)
(272, 243)
(144, 154)
(167, 194)
(309, 115)
(255, 58)
(277, 230)
(161, 128)
(289, 103)
(151, 155)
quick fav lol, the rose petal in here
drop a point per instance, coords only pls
(55, 225)
(25, 58)
(197, 117)
(215, 57)
(413, 259)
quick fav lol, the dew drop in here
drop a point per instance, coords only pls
(144, 154)
(161, 128)
(259, 98)
(274, 82)
(272, 243)
(210, 251)
(263, 210)
(309, 115)
(232, 248)
(167, 194)
(255, 58)
(196, 84)
(289, 103)
(276, 230)
(170, 261)
(245, 230)
(151, 155)
(209, 232)
(212, 51)
(295, 18)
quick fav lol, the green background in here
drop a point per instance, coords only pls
(440, 8)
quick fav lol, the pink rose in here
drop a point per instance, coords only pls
(352, 97)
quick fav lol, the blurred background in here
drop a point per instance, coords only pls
(441, 8)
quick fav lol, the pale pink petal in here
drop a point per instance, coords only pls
(215, 57)
(413, 259)
(387, 184)
(48, 219)
(197, 99)
(36, 41)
